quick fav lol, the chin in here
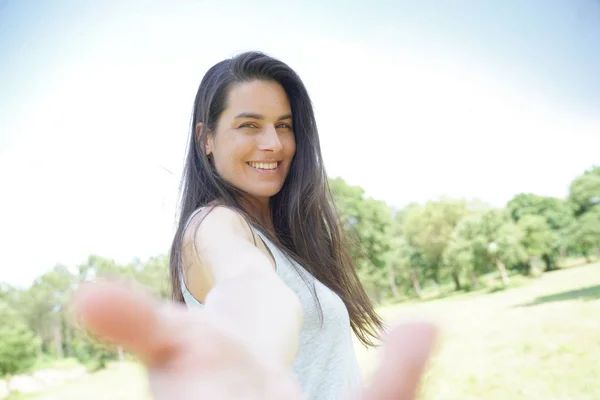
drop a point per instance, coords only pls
(262, 193)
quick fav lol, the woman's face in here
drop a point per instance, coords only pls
(254, 143)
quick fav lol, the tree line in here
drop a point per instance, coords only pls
(397, 252)
(37, 322)
(455, 240)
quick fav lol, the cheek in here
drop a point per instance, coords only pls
(228, 153)
(291, 146)
(222, 161)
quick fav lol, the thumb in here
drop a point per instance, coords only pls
(124, 315)
(406, 352)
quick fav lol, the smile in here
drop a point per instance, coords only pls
(264, 165)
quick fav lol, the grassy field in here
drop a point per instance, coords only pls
(538, 341)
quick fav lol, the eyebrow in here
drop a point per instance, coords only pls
(260, 117)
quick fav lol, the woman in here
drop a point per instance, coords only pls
(258, 258)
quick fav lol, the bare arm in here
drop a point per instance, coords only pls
(244, 291)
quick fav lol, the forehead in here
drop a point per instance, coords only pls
(262, 97)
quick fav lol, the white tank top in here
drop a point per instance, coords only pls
(326, 364)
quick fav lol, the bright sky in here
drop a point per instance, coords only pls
(414, 100)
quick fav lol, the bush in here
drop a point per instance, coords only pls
(17, 344)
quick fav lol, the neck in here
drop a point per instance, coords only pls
(259, 209)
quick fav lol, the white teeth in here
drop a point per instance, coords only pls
(260, 165)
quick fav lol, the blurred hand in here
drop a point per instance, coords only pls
(192, 356)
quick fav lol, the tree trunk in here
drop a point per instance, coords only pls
(415, 282)
(502, 270)
(456, 279)
(436, 284)
(474, 280)
(586, 254)
(532, 266)
(563, 252)
(58, 340)
(121, 355)
(68, 341)
(39, 350)
(392, 280)
(7, 379)
(550, 266)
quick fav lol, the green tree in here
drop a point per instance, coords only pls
(44, 309)
(538, 239)
(366, 223)
(100, 267)
(8, 293)
(52, 291)
(37, 312)
(586, 232)
(17, 344)
(559, 216)
(429, 229)
(153, 274)
(488, 238)
(557, 212)
(459, 255)
(404, 262)
(584, 191)
(506, 248)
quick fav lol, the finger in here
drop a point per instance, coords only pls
(124, 315)
(406, 352)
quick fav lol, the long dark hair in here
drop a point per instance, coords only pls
(304, 216)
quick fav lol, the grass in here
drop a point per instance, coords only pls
(53, 363)
(535, 341)
(539, 340)
(125, 381)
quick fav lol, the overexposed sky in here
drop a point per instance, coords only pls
(413, 100)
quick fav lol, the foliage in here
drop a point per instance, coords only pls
(584, 191)
(559, 217)
(17, 343)
(429, 228)
(366, 223)
(586, 233)
(538, 240)
(557, 213)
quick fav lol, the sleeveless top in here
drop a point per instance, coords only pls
(325, 364)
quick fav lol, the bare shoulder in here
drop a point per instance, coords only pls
(218, 245)
(218, 222)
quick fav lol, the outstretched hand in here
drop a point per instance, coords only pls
(190, 355)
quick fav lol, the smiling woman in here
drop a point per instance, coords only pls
(268, 295)
(256, 205)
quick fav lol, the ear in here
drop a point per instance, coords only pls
(207, 143)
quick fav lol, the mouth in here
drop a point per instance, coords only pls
(265, 165)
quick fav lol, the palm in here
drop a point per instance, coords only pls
(212, 363)
(191, 356)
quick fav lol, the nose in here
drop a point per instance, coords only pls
(269, 140)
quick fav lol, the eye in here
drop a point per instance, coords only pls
(284, 125)
(248, 125)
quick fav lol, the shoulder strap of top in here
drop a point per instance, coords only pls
(276, 253)
(187, 296)
(192, 215)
